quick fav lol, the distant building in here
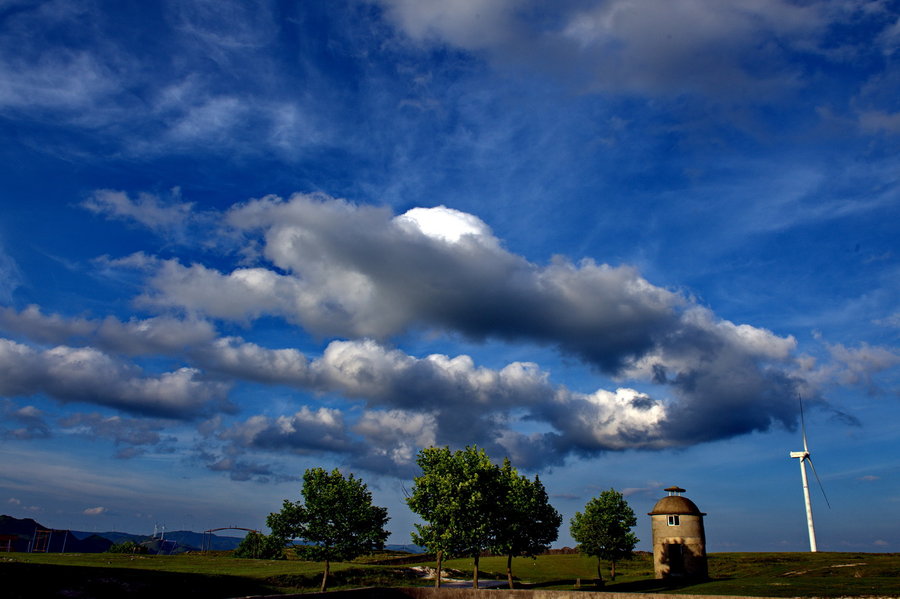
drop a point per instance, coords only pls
(679, 541)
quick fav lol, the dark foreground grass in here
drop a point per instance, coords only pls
(753, 574)
(102, 576)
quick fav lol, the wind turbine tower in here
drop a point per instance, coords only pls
(804, 457)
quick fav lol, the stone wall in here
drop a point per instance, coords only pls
(433, 593)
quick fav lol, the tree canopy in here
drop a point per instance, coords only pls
(604, 529)
(469, 505)
(335, 521)
(525, 523)
(455, 495)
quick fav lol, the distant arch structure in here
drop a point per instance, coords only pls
(206, 541)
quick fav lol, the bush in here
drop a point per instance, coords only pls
(128, 547)
(260, 546)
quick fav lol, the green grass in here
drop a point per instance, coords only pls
(553, 571)
(216, 576)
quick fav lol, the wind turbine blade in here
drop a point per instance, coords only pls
(803, 424)
(816, 474)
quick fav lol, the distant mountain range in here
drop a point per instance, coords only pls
(79, 541)
(24, 532)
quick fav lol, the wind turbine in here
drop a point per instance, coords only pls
(804, 457)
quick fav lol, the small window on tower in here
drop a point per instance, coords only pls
(674, 521)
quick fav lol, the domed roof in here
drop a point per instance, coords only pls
(676, 504)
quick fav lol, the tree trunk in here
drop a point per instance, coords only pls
(475, 575)
(437, 576)
(599, 574)
(325, 577)
(612, 570)
(509, 570)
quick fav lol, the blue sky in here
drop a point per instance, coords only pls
(612, 240)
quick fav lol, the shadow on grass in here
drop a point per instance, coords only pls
(349, 578)
(26, 581)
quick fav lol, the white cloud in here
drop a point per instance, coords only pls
(444, 223)
(856, 365)
(736, 50)
(359, 272)
(471, 24)
(356, 271)
(615, 420)
(161, 334)
(53, 328)
(415, 402)
(88, 375)
(233, 356)
(95, 511)
(246, 293)
(303, 431)
(65, 81)
(148, 209)
(409, 429)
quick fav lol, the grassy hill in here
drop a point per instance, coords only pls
(216, 576)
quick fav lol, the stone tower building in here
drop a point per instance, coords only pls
(679, 541)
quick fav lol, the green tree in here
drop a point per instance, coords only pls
(335, 522)
(128, 547)
(604, 530)
(526, 523)
(456, 495)
(429, 499)
(259, 546)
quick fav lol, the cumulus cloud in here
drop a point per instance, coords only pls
(157, 335)
(95, 511)
(91, 376)
(733, 50)
(43, 328)
(337, 269)
(681, 374)
(395, 436)
(303, 431)
(415, 402)
(237, 358)
(355, 271)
